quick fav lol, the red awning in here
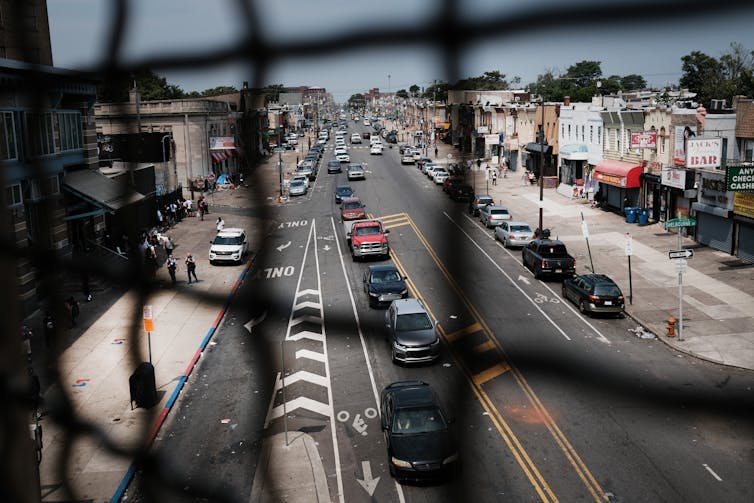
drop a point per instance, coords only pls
(618, 173)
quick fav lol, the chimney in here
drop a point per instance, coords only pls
(566, 101)
(134, 96)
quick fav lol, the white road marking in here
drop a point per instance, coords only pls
(398, 488)
(368, 483)
(283, 247)
(301, 375)
(305, 334)
(712, 472)
(308, 303)
(311, 355)
(301, 402)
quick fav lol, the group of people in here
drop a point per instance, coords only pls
(173, 212)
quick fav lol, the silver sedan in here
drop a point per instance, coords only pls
(514, 233)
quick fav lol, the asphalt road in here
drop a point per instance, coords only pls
(548, 405)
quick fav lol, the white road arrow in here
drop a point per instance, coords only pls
(369, 484)
(326, 248)
(283, 247)
(525, 280)
(255, 321)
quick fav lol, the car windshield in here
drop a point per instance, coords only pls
(228, 240)
(499, 212)
(355, 205)
(367, 231)
(413, 321)
(385, 276)
(354, 168)
(344, 190)
(418, 420)
(607, 290)
(520, 228)
(485, 200)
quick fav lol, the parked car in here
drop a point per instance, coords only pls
(594, 293)
(229, 245)
(548, 256)
(333, 166)
(422, 160)
(478, 202)
(512, 233)
(297, 188)
(420, 443)
(352, 209)
(384, 284)
(342, 192)
(492, 215)
(439, 175)
(406, 157)
(355, 172)
(411, 332)
(451, 182)
(462, 193)
(303, 178)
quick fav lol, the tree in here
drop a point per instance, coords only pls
(356, 100)
(414, 90)
(701, 74)
(488, 81)
(401, 93)
(438, 91)
(217, 91)
(633, 82)
(710, 78)
(584, 73)
(151, 86)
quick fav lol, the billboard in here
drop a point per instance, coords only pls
(682, 135)
(134, 147)
(645, 139)
(704, 152)
(739, 178)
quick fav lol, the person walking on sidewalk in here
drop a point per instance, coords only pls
(73, 309)
(494, 176)
(172, 264)
(191, 268)
(169, 246)
(220, 224)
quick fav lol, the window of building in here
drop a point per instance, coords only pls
(617, 140)
(562, 131)
(599, 135)
(628, 138)
(7, 137)
(44, 187)
(69, 129)
(583, 135)
(13, 195)
(591, 134)
(40, 134)
(569, 131)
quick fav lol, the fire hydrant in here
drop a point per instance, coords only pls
(671, 326)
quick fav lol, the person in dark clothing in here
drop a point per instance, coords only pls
(172, 264)
(191, 268)
(73, 309)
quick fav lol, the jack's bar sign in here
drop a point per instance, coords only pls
(739, 178)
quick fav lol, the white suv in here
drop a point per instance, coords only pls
(230, 245)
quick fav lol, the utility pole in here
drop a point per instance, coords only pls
(541, 166)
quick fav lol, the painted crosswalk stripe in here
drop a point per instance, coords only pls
(311, 355)
(305, 334)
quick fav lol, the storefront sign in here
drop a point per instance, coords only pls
(491, 139)
(674, 178)
(682, 135)
(645, 139)
(704, 153)
(619, 181)
(222, 143)
(712, 191)
(739, 178)
(743, 204)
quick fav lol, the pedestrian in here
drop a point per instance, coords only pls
(191, 268)
(150, 259)
(73, 309)
(49, 328)
(435, 152)
(172, 264)
(200, 207)
(220, 224)
(494, 176)
(169, 246)
(160, 219)
(173, 212)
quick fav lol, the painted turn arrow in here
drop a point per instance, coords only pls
(521, 278)
(369, 484)
(283, 247)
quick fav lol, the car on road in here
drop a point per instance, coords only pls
(229, 245)
(417, 154)
(384, 284)
(439, 175)
(492, 215)
(343, 192)
(411, 332)
(461, 192)
(423, 160)
(355, 172)
(478, 202)
(548, 257)
(451, 182)
(407, 158)
(297, 188)
(356, 138)
(352, 209)
(594, 293)
(292, 139)
(512, 233)
(341, 155)
(333, 166)
(302, 178)
(420, 443)
(376, 149)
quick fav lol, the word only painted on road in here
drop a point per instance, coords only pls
(275, 272)
(295, 223)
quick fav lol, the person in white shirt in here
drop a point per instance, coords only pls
(220, 224)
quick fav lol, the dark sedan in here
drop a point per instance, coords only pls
(343, 192)
(384, 284)
(594, 293)
(420, 444)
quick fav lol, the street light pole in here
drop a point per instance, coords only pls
(541, 165)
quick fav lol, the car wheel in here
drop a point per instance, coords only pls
(582, 306)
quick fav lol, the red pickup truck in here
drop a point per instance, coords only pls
(366, 238)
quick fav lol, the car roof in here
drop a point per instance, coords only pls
(382, 267)
(351, 200)
(596, 278)
(411, 394)
(344, 187)
(231, 232)
(355, 165)
(409, 306)
(516, 222)
(496, 207)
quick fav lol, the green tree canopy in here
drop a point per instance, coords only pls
(217, 91)
(401, 93)
(488, 81)
(115, 87)
(723, 78)
(438, 91)
(356, 100)
(414, 90)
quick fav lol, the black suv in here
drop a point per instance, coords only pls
(384, 284)
(594, 293)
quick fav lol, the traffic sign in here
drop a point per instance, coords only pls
(680, 222)
(680, 254)
(629, 245)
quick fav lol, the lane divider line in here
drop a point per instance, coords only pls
(128, 477)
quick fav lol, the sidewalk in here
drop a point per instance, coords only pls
(718, 289)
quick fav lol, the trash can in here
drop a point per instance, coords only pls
(642, 217)
(630, 214)
(142, 386)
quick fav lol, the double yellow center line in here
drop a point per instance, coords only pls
(495, 363)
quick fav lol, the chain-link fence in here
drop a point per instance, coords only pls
(444, 30)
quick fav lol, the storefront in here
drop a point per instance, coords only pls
(572, 172)
(651, 190)
(677, 193)
(714, 225)
(743, 218)
(510, 152)
(619, 183)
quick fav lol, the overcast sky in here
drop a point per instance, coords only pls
(78, 30)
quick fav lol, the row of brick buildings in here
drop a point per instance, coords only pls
(630, 149)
